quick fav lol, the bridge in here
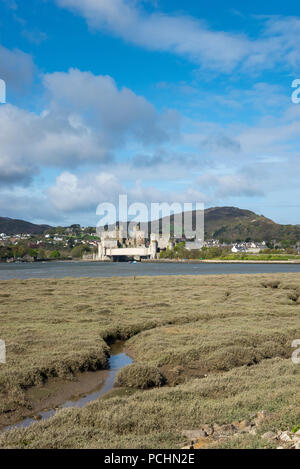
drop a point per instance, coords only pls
(139, 252)
(116, 244)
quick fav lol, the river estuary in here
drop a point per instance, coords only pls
(61, 269)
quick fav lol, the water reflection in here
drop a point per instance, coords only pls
(118, 359)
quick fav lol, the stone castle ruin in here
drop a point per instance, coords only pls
(116, 244)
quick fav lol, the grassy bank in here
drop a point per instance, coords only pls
(115, 421)
(224, 341)
(260, 257)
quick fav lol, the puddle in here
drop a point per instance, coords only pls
(118, 359)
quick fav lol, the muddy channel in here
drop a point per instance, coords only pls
(59, 394)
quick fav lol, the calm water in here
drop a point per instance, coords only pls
(118, 360)
(123, 269)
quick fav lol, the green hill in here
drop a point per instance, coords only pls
(11, 226)
(228, 224)
(231, 224)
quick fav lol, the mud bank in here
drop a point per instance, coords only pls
(58, 394)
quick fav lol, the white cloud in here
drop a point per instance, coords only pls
(115, 113)
(16, 68)
(87, 119)
(179, 34)
(270, 136)
(74, 193)
(192, 38)
(230, 185)
(28, 141)
(220, 141)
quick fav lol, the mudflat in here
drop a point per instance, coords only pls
(214, 349)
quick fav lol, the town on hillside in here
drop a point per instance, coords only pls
(76, 242)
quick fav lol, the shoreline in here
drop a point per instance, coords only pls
(158, 261)
(218, 261)
(162, 261)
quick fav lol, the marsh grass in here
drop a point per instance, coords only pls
(156, 418)
(139, 376)
(237, 330)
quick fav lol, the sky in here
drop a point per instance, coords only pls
(162, 100)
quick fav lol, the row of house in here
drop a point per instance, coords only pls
(44, 240)
(16, 237)
(251, 247)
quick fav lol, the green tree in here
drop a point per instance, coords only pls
(5, 252)
(55, 255)
(60, 230)
(19, 251)
(78, 251)
(41, 254)
(33, 253)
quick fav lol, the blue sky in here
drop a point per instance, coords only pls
(163, 100)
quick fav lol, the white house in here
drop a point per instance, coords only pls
(236, 248)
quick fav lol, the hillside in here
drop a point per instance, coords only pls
(11, 226)
(228, 224)
(231, 224)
